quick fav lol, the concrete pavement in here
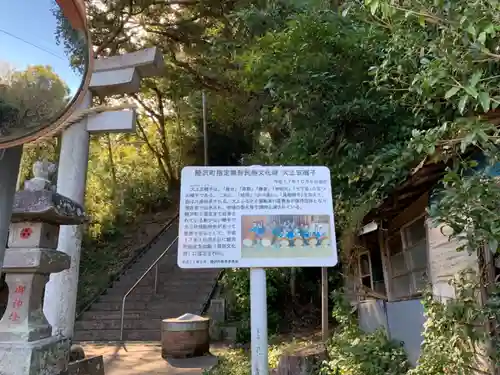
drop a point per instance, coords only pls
(145, 359)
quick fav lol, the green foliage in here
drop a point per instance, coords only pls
(353, 352)
(236, 286)
(321, 108)
(443, 53)
(455, 331)
(37, 95)
(74, 41)
(237, 361)
(283, 307)
(468, 205)
(231, 362)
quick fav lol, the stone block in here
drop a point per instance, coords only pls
(87, 366)
(217, 310)
(35, 261)
(123, 121)
(114, 82)
(215, 332)
(148, 62)
(44, 357)
(29, 234)
(46, 206)
(229, 333)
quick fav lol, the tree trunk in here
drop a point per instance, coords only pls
(303, 361)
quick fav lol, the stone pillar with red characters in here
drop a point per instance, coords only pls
(27, 346)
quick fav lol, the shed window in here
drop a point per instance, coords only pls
(408, 259)
(365, 270)
(370, 272)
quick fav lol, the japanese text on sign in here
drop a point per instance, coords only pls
(256, 217)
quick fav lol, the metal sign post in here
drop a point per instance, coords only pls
(258, 321)
(256, 217)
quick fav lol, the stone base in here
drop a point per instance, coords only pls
(43, 357)
(229, 332)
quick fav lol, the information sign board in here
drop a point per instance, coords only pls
(256, 216)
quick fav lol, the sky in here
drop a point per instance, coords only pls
(31, 21)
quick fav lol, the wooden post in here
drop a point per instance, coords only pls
(386, 263)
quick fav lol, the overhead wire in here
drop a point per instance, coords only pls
(31, 44)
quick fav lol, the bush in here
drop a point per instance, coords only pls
(353, 352)
(231, 362)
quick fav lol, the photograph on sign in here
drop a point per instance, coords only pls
(286, 236)
(256, 217)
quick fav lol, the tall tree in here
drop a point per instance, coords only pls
(37, 94)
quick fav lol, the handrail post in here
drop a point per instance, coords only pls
(156, 278)
(155, 263)
(121, 319)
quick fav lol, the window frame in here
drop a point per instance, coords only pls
(410, 269)
(370, 274)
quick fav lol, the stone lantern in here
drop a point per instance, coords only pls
(27, 346)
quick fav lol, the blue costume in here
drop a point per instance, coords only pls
(276, 232)
(260, 231)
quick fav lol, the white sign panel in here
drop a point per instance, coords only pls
(256, 217)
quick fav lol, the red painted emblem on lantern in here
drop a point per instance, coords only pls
(26, 233)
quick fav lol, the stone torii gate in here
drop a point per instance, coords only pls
(111, 76)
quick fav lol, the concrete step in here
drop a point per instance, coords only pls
(116, 306)
(179, 291)
(133, 275)
(166, 294)
(114, 335)
(110, 315)
(159, 313)
(113, 324)
(171, 280)
(166, 300)
(152, 309)
(167, 270)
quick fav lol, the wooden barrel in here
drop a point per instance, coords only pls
(184, 337)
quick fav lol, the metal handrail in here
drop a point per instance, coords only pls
(154, 264)
(138, 255)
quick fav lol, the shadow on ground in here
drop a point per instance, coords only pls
(145, 359)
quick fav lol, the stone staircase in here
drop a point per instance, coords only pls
(179, 291)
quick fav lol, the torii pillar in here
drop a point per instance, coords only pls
(112, 76)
